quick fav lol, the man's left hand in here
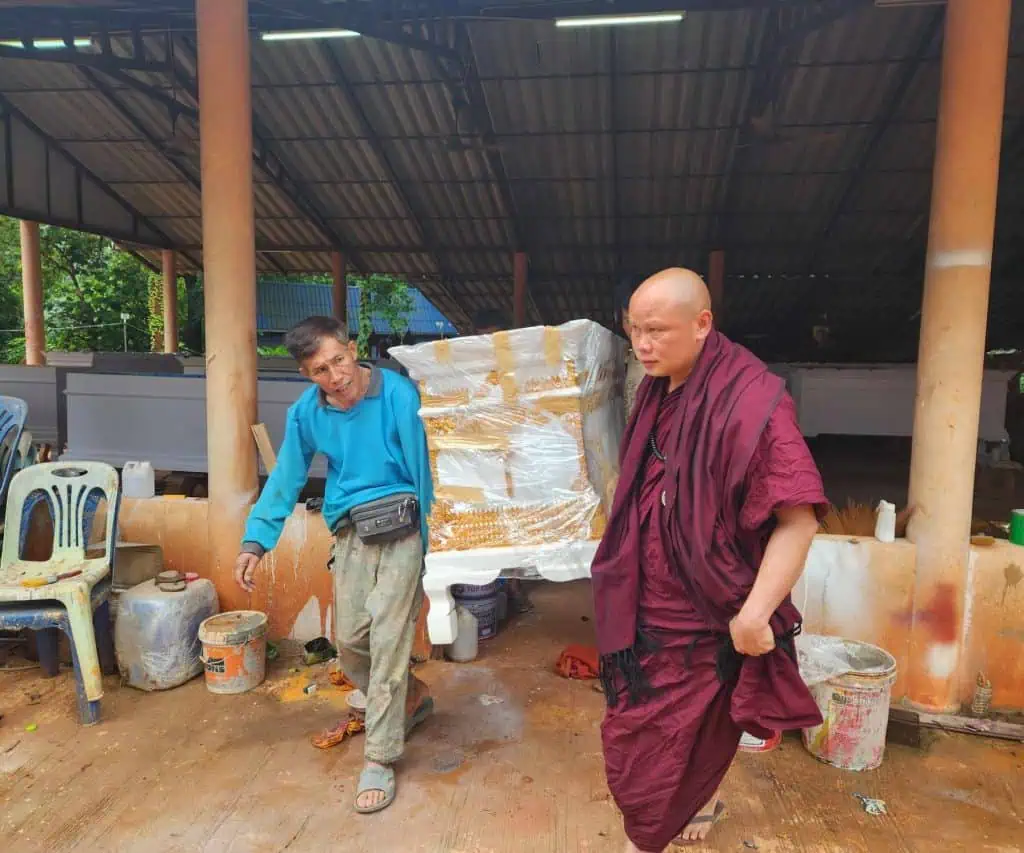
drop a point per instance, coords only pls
(750, 637)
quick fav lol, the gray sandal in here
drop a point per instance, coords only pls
(376, 778)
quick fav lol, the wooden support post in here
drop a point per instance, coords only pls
(339, 291)
(954, 316)
(520, 265)
(32, 294)
(716, 285)
(170, 271)
(229, 280)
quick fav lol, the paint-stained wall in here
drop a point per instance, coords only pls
(293, 588)
(863, 589)
(858, 588)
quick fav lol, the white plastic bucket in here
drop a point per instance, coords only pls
(855, 710)
(234, 650)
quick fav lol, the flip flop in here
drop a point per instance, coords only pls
(425, 709)
(712, 818)
(357, 701)
(375, 778)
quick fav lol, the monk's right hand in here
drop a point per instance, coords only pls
(751, 637)
(245, 571)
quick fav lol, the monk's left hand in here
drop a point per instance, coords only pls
(750, 637)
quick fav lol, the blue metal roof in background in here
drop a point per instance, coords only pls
(281, 304)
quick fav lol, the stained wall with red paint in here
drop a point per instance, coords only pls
(853, 587)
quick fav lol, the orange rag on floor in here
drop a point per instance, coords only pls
(578, 662)
(351, 725)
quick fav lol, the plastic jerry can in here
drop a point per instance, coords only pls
(138, 480)
(156, 634)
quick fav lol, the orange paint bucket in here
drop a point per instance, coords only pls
(234, 650)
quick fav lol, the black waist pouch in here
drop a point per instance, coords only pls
(386, 519)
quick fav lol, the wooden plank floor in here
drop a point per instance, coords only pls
(511, 763)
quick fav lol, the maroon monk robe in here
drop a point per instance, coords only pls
(679, 695)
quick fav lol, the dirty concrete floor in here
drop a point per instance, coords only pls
(511, 762)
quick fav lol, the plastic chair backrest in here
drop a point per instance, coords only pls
(13, 413)
(67, 486)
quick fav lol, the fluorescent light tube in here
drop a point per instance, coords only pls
(48, 44)
(620, 20)
(300, 35)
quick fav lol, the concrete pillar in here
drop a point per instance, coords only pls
(32, 294)
(519, 284)
(339, 292)
(229, 279)
(952, 346)
(170, 268)
(716, 285)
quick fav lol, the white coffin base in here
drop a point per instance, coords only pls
(480, 566)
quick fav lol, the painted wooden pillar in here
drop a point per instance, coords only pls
(229, 279)
(170, 271)
(954, 315)
(32, 294)
(339, 292)
(520, 266)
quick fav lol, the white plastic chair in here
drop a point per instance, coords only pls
(68, 488)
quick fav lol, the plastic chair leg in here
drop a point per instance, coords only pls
(88, 712)
(104, 639)
(47, 642)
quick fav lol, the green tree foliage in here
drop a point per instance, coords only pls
(385, 297)
(87, 284)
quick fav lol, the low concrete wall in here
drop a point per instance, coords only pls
(853, 587)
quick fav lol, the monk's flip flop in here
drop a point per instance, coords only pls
(375, 778)
(712, 818)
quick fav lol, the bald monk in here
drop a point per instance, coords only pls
(716, 506)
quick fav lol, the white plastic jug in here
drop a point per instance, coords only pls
(464, 648)
(885, 523)
(138, 480)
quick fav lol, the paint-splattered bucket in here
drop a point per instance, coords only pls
(234, 650)
(855, 708)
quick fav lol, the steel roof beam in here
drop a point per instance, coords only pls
(778, 41)
(417, 215)
(893, 101)
(7, 107)
(404, 249)
(273, 165)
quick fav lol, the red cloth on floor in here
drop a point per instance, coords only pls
(578, 662)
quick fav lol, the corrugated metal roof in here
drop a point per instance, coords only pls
(624, 150)
(282, 304)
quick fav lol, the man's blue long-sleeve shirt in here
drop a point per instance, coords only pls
(376, 449)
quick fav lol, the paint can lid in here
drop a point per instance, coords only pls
(233, 628)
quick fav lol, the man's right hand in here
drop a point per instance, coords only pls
(245, 571)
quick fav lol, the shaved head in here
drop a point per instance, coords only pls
(674, 289)
(670, 318)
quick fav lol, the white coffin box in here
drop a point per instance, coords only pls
(161, 419)
(37, 386)
(523, 429)
(877, 400)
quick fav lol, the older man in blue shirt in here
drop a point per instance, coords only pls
(377, 495)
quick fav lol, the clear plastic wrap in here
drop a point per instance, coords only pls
(523, 429)
(824, 658)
